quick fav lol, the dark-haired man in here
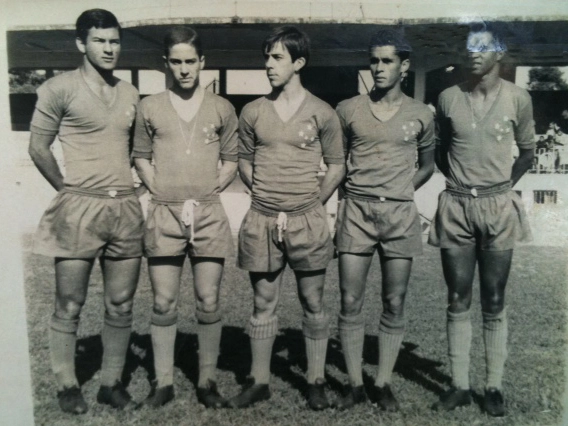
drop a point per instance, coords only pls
(282, 139)
(187, 131)
(383, 132)
(95, 213)
(479, 217)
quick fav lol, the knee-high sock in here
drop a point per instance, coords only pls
(262, 335)
(209, 327)
(163, 331)
(316, 335)
(391, 333)
(62, 341)
(352, 336)
(459, 345)
(495, 338)
(115, 336)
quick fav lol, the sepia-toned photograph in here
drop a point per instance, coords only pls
(284, 212)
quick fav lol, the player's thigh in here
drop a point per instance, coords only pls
(353, 272)
(71, 282)
(395, 277)
(458, 265)
(165, 277)
(207, 274)
(266, 287)
(494, 268)
(310, 289)
(120, 277)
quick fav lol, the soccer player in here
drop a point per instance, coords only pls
(383, 132)
(479, 217)
(187, 131)
(95, 213)
(282, 138)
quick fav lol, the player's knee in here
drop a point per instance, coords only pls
(69, 309)
(458, 303)
(313, 305)
(120, 309)
(394, 304)
(350, 304)
(493, 304)
(264, 306)
(208, 303)
(164, 305)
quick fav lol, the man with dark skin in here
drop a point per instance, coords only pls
(479, 217)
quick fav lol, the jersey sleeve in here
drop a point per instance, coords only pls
(142, 147)
(524, 130)
(246, 133)
(49, 111)
(443, 126)
(341, 111)
(228, 134)
(331, 138)
(426, 141)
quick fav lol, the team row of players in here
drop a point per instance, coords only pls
(181, 136)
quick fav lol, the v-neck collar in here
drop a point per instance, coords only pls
(97, 97)
(489, 111)
(170, 103)
(369, 106)
(295, 114)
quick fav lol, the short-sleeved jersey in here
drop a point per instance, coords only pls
(95, 137)
(186, 154)
(287, 155)
(381, 155)
(480, 151)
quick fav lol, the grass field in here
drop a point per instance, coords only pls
(534, 380)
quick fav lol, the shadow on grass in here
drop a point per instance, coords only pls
(289, 361)
(412, 367)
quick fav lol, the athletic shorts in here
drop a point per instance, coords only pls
(492, 221)
(391, 227)
(305, 243)
(167, 234)
(86, 223)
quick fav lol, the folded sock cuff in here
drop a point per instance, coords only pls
(122, 321)
(164, 320)
(390, 324)
(263, 329)
(64, 325)
(316, 328)
(208, 317)
(351, 322)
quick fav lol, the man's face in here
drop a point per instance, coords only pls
(386, 67)
(102, 47)
(565, 114)
(279, 66)
(185, 65)
(483, 53)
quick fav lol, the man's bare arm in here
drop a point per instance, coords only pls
(333, 177)
(145, 172)
(227, 174)
(523, 163)
(44, 160)
(425, 168)
(245, 172)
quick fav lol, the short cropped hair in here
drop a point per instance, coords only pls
(295, 41)
(391, 38)
(95, 18)
(496, 29)
(181, 34)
